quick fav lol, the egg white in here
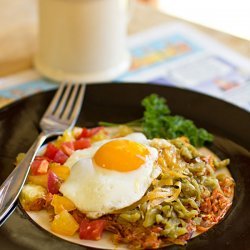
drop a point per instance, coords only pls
(96, 191)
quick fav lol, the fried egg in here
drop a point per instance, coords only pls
(111, 174)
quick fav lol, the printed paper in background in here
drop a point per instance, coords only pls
(171, 54)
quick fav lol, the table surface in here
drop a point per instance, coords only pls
(18, 33)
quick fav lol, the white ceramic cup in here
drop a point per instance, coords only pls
(82, 40)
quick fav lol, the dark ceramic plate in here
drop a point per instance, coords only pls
(19, 123)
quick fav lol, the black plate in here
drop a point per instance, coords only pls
(19, 123)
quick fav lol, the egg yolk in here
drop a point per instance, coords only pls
(121, 155)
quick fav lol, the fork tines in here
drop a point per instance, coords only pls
(68, 99)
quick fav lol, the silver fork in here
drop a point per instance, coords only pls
(61, 114)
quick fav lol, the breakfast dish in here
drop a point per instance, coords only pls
(120, 103)
(148, 193)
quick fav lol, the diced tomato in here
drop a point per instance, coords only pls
(60, 157)
(91, 230)
(42, 157)
(82, 143)
(86, 133)
(39, 167)
(68, 147)
(53, 182)
(51, 151)
(55, 154)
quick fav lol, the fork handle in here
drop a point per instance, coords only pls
(12, 186)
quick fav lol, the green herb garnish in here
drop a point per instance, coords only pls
(157, 122)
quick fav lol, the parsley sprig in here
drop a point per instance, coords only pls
(157, 122)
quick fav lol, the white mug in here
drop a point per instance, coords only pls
(82, 40)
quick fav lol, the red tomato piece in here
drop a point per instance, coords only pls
(91, 230)
(53, 182)
(60, 157)
(86, 133)
(40, 158)
(39, 167)
(68, 147)
(82, 143)
(51, 151)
